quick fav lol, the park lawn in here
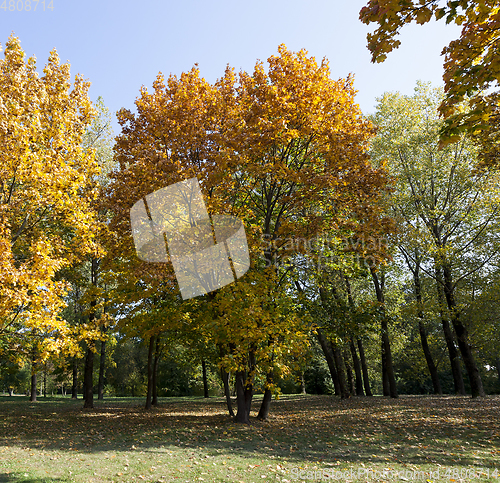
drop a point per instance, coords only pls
(193, 440)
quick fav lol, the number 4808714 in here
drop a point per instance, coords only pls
(26, 5)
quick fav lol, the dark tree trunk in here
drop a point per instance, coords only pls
(244, 393)
(330, 360)
(150, 372)
(385, 377)
(33, 386)
(352, 347)
(423, 332)
(227, 392)
(364, 367)
(87, 379)
(45, 381)
(389, 370)
(462, 333)
(428, 357)
(10, 391)
(357, 369)
(266, 400)
(350, 375)
(102, 362)
(498, 368)
(387, 367)
(344, 391)
(456, 371)
(154, 402)
(205, 380)
(88, 375)
(74, 388)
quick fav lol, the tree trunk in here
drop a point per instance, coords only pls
(102, 362)
(387, 367)
(227, 392)
(244, 393)
(205, 381)
(428, 357)
(423, 332)
(266, 400)
(498, 368)
(462, 333)
(87, 379)
(357, 369)
(150, 372)
(344, 391)
(33, 386)
(154, 402)
(327, 351)
(303, 382)
(385, 377)
(456, 371)
(364, 367)
(350, 375)
(74, 388)
(88, 375)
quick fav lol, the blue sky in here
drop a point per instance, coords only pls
(121, 45)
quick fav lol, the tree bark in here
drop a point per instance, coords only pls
(328, 352)
(350, 375)
(462, 333)
(303, 382)
(87, 379)
(385, 378)
(156, 361)
(498, 368)
(102, 362)
(227, 392)
(266, 400)
(344, 391)
(149, 393)
(88, 375)
(33, 386)
(423, 332)
(428, 357)
(456, 370)
(244, 393)
(205, 381)
(357, 369)
(364, 367)
(387, 367)
(74, 388)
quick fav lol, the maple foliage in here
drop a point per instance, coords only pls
(284, 149)
(46, 222)
(471, 66)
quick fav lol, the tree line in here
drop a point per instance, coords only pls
(373, 247)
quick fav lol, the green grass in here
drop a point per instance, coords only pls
(193, 440)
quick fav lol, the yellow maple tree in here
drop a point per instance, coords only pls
(46, 221)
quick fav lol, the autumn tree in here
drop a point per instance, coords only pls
(471, 66)
(284, 150)
(447, 209)
(46, 222)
